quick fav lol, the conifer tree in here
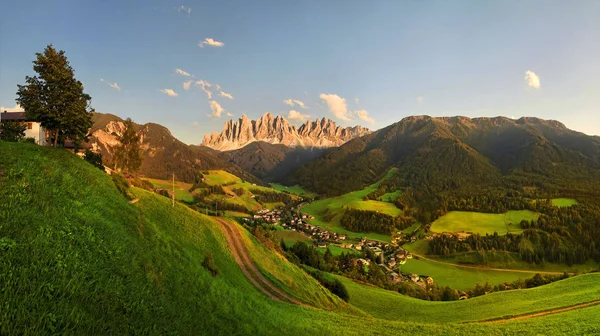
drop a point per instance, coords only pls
(56, 99)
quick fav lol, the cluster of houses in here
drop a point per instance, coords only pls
(268, 216)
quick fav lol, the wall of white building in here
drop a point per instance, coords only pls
(37, 132)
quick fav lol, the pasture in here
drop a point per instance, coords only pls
(291, 237)
(458, 277)
(328, 211)
(294, 190)
(182, 192)
(482, 223)
(564, 202)
(391, 305)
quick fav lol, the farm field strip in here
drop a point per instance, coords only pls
(482, 223)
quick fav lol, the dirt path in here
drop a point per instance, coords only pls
(543, 313)
(234, 238)
(483, 268)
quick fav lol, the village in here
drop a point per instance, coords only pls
(389, 256)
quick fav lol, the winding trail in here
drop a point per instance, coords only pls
(482, 268)
(240, 253)
(542, 313)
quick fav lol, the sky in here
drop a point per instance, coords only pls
(192, 65)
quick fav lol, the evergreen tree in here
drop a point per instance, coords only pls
(56, 99)
(128, 154)
(12, 131)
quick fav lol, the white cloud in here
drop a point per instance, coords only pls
(210, 42)
(195, 123)
(292, 102)
(532, 79)
(187, 84)
(225, 94)
(17, 108)
(295, 115)
(420, 100)
(184, 9)
(364, 115)
(216, 109)
(229, 114)
(169, 92)
(182, 73)
(205, 86)
(337, 106)
(112, 85)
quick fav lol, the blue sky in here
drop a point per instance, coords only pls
(356, 62)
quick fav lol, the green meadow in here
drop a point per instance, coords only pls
(391, 305)
(482, 223)
(458, 277)
(328, 211)
(336, 250)
(182, 192)
(294, 190)
(291, 237)
(564, 202)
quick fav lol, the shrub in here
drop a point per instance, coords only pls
(94, 158)
(208, 263)
(122, 185)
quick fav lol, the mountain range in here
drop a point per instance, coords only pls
(162, 153)
(437, 154)
(278, 130)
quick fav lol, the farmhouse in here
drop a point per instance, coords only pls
(34, 129)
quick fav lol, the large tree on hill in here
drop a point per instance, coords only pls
(128, 153)
(55, 98)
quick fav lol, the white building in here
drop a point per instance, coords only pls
(34, 129)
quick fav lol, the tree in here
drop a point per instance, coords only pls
(12, 131)
(56, 99)
(128, 154)
(94, 158)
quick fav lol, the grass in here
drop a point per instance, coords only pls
(460, 278)
(419, 247)
(76, 258)
(294, 190)
(393, 306)
(182, 192)
(564, 202)
(291, 237)
(333, 208)
(482, 223)
(336, 250)
(390, 197)
(220, 177)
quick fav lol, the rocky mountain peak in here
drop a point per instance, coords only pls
(278, 130)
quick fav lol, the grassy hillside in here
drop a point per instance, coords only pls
(564, 202)
(476, 222)
(76, 258)
(328, 211)
(393, 306)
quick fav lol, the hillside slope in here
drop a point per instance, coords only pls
(436, 154)
(162, 153)
(76, 258)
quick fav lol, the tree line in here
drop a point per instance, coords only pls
(371, 221)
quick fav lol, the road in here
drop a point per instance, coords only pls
(241, 255)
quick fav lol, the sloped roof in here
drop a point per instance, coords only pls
(12, 116)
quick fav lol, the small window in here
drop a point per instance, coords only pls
(29, 125)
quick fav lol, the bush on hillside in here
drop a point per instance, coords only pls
(122, 185)
(94, 158)
(208, 263)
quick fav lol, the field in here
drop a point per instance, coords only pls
(291, 237)
(336, 250)
(482, 223)
(220, 177)
(393, 306)
(87, 262)
(390, 197)
(334, 208)
(182, 192)
(295, 190)
(460, 278)
(564, 202)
